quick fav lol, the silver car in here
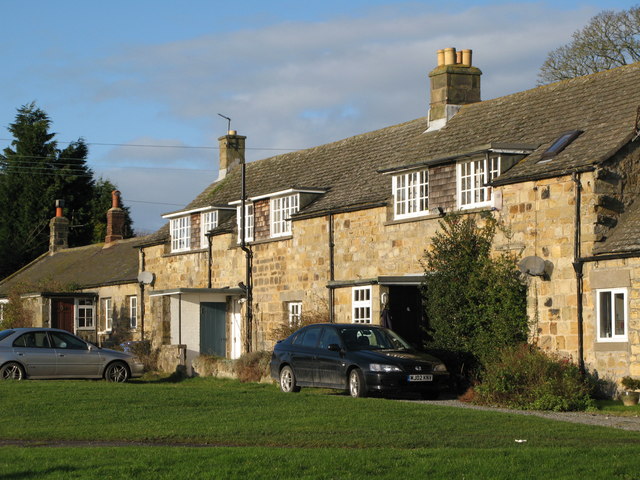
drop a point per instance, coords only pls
(53, 353)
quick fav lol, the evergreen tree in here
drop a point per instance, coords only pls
(33, 174)
(475, 303)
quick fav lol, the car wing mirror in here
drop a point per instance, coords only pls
(334, 347)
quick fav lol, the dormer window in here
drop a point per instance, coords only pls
(473, 179)
(208, 221)
(281, 209)
(248, 224)
(560, 144)
(410, 194)
(181, 233)
(269, 215)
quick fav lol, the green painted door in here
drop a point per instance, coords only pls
(213, 331)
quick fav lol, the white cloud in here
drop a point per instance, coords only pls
(296, 84)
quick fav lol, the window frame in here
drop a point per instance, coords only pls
(249, 222)
(280, 210)
(208, 221)
(85, 305)
(107, 311)
(132, 300)
(294, 313)
(472, 189)
(362, 305)
(612, 292)
(180, 228)
(410, 194)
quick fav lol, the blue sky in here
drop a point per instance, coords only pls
(290, 74)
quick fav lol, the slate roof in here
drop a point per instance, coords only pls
(602, 105)
(83, 267)
(625, 237)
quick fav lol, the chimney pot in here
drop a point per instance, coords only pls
(466, 57)
(459, 57)
(449, 56)
(115, 199)
(59, 207)
(440, 57)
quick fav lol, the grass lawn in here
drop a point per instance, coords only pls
(211, 428)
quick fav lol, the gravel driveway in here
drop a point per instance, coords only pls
(624, 423)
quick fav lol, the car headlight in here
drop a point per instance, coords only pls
(379, 367)
(439, 367)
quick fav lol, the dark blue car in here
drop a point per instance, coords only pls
(355, 357)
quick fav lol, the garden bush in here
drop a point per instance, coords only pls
(253, 367)
(527, 378)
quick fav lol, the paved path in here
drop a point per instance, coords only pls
(624, 423)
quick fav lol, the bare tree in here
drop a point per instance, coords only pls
(610, 39)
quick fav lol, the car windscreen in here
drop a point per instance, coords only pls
(367, 338)
(5, 333)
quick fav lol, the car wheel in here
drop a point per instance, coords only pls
(357, 387)
(12, 371)
(288, 380)
(116, 372)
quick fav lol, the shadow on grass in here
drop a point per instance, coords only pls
(38, 474)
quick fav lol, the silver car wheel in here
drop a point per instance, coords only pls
(11, 371)
(117, 372)
(356, 383)
(288, 380)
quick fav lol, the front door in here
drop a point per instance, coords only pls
(406, 311)
(213, 331)
(62, 314)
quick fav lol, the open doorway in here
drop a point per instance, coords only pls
(406, 313)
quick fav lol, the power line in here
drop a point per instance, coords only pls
(143, 145)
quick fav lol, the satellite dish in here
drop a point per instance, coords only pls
(146, 278)
(534, 266)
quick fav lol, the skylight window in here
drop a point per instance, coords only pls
(560, 144)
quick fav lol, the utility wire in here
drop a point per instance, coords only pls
(142, 145)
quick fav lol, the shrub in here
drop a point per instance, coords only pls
(142, 349)
(630, 383)
(318, 313)
(475, 302)
(254, 366)
(525, 377)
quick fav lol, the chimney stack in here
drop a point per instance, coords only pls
(454, 82)
(58, 230)
(115, 220)
(231, 152)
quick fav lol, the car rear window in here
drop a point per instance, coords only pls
(5, 333)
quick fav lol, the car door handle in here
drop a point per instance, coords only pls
(61, 354)
(21, 354)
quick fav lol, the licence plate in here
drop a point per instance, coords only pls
(420, 378)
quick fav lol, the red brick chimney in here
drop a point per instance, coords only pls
(58, 230)
(115, 220)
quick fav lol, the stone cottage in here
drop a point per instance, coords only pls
(339, 230)
(92, 291)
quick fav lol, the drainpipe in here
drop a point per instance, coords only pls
(142, 267)
(183, 359)
(209, 260)
(331, 270)
(249, 256)
(577, 266)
